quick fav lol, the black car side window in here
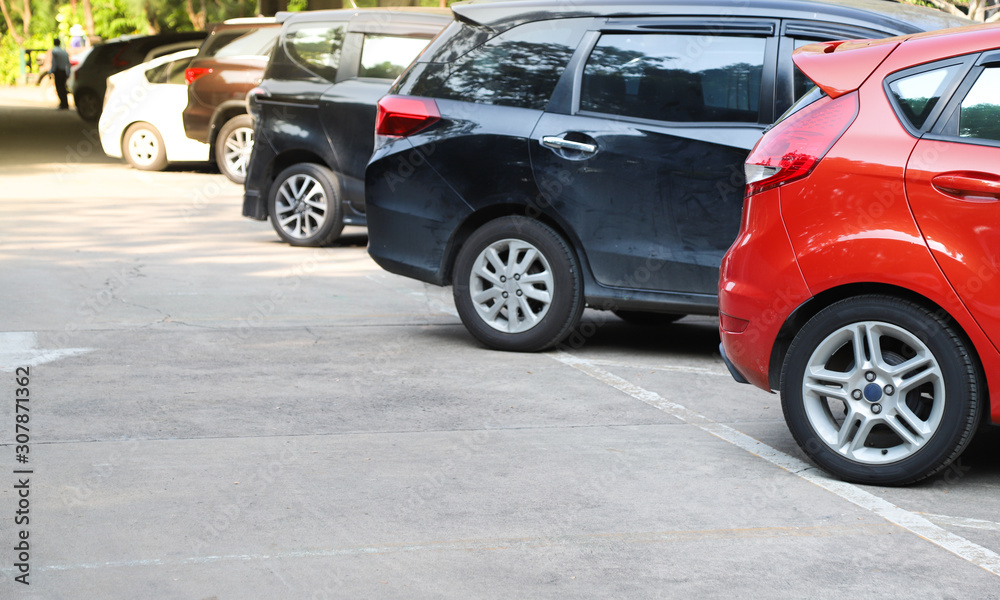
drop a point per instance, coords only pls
(317, 46)
(385, 57)
(979, 114)
(517, 68)
(675, 77)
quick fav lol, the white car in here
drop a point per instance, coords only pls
(142, 119)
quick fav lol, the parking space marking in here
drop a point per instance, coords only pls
(865, 530)
(669, 368)
(20, 349)
(912, 522)
(962, 522)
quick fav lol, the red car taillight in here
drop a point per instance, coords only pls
(795, 146)
(192, 73)
(402, 116)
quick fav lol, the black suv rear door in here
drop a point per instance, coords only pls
(375, 53)
(644, 158)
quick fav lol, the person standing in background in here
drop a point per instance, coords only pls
(59, 67)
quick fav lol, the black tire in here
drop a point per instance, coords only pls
(233, 146)
(143, 149)
(551, 290)
(88, 105)
(304, 205)
(647, 319)
(894, 435)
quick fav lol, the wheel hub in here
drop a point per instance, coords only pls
(873, 392)
(511, 284)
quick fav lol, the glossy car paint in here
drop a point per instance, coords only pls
(870, 218)
(649, 215)
(305, 117)
(133, 99)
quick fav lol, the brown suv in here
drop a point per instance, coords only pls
(228, 65)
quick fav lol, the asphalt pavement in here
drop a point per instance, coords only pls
(215, 414)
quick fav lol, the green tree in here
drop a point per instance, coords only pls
(982, 11)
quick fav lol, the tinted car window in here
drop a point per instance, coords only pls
(385, 57)
(918, 94)
(255, 43)
(158, 74)
(219, 40)
(317, 47)
(170, 72)
(517, 68)
(979, 116)
(177, 68)
(658, 76)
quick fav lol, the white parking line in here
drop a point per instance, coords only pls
(962, 522)
(721, 372)
(500, 544)
(961, 547)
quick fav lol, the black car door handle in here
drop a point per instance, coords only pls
(558, 143)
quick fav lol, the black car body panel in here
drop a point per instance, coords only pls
(311, 112)
(119, 54)
(522, 85)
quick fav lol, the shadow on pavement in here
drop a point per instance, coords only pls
(32, 135)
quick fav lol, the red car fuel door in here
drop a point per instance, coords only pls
(953, 185)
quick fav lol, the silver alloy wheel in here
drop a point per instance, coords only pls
(143, 147)
(873, 392)
(237, 149)
(301, 206)
(511, 286)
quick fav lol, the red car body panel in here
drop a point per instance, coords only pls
(841, 67)
(881, 208)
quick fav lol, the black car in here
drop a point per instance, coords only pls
(315, 115)
(543, 157)
(91, 79)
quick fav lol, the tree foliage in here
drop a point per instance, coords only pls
(31, 24)
(982, 11)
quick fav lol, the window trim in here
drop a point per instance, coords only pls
(946, 129)
(963, 62)
(765, 101)
(289, 51)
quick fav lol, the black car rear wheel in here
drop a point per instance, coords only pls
(304, 205)
(881, 391)
(517, 285)
(88, 105)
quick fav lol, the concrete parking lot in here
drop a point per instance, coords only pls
(214, 414)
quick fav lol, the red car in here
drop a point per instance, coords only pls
(865, 281)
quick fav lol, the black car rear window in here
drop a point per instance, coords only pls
(517, 68)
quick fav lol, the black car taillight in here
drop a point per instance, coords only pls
(402, 116)
(793, 148)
